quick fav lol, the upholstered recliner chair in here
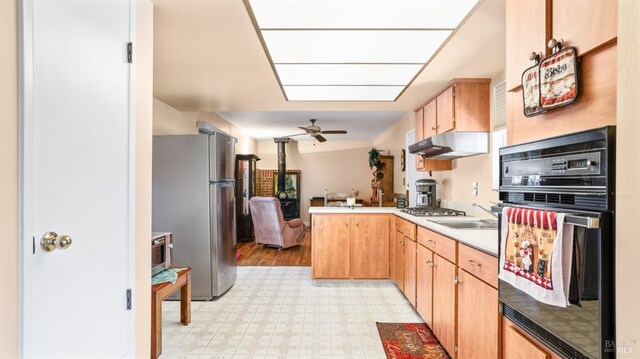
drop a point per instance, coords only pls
(269, 224)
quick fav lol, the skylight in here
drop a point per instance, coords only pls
(352, 50)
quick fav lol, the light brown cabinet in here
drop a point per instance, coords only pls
(350, 246)
(444, 303)
(330, 251)
(517, 345)
(399, 259)
(529, 27)
(409, 287)
(369, 247)
(461, 105)
(586, 25)
(424, 284)
(445, 115)
(430, 122)
(477, 309)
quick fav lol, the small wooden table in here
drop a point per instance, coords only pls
(161, 291)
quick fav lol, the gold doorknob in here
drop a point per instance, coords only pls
(48, 241)
(63, 242)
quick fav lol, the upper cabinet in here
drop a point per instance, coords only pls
(461, 105)
(590, 27)
(586, 25)
(529, 27)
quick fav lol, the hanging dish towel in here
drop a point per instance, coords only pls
(167, 275)
(535, 254)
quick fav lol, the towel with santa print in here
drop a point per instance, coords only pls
(535, 254)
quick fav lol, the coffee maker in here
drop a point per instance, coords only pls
(426, 193)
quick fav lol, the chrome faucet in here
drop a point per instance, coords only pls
(484, 209)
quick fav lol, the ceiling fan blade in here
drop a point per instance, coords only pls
(304, 128)
(334, 132)
(297, 134)
(320, 138)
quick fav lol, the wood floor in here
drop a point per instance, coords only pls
(253, 254)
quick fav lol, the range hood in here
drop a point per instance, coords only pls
(452, 145)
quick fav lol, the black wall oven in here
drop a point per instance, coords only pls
(572, 174)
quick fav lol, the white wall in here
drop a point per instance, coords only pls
(169, 121)
(338, 166)
(627, 179)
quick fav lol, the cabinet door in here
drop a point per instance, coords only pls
(445, 111)
(516, 345)
(410, 248)
(586, 25)
(430, 116)
(370, 246)
(392, 248)
(444, 303)
(331, 243)
(528, 28)
(424, 284)
(399, 261)
(477, 305)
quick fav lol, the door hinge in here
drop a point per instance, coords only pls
(453, 91)
(129, 305)
(130, 52)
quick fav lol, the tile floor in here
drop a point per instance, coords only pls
(279, 312)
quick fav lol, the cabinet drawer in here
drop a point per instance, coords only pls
(481, 265)
(407, 228)
(443, 246)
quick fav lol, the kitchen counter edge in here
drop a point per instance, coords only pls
(476, 239)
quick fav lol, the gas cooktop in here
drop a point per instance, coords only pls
(433, 212)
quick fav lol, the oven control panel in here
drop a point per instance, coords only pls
(579, 164)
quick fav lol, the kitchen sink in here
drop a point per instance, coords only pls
(476, 224)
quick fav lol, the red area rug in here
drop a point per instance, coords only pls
(409, 341)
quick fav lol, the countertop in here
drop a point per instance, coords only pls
(485, 240)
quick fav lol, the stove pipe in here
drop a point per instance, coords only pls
(282, 166)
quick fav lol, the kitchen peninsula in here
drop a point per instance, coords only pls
(449, 275)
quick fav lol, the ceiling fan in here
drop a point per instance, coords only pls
(317, 132)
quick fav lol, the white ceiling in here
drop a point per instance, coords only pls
(381, 32)
(360, 125)
(208, 57)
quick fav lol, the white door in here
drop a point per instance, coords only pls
(77, 177)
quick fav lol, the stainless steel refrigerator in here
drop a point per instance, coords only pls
(194, 198)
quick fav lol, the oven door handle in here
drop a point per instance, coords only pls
(587, 222)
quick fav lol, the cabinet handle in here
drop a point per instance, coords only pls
(429, 262)
(457, 281)
(433, 128)
(357, 224)
(472, 263)
(431, 241)
(346, 224)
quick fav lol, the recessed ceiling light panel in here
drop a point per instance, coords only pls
(339, 46)
(342, 93)
(352, 50)
(360, 14)
(351, 74)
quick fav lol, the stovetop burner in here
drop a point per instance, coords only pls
(433, 212)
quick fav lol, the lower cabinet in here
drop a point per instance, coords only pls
(399, 259)
(350, 246)
(369, 247)
(330, 249)
(517, 345)
(478, 319)
(444, 303)
(424, 284)
(409, 287)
